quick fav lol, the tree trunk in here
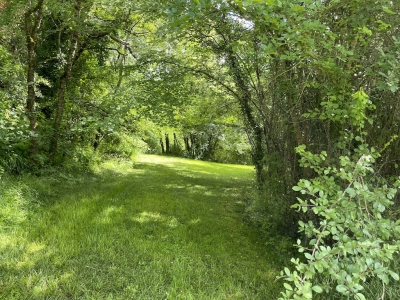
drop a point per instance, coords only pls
(193, 145)
(167, 148)
(175, 143)
(33, 20)
(256, 130)
(97, 139)
(187, 146)
(162, 146)
(72, 54)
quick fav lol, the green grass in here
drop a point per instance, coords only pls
(155, 228)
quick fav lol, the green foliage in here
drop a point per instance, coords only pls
(268, 207)
(350, 239)
(13, 124)
(234, 147)
(118, 145)
(146, 133)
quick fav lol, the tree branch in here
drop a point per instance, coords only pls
(124, 43)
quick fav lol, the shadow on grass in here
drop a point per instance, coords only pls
(141, 231)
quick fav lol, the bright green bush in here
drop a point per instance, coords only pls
(350, 241)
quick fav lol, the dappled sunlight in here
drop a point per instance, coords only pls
(108, 214)
(176, 186)
(155, 159)
(189, 188)
(145, 217)
(34, 248)
(173, 222)
(123, 168)
(194, 221)
(31, 254)
(8, 240)
(150, 224)
(197, 168)
(19, 253)
(169, 161)
(43, 284)
(27, 261)
(201, 189)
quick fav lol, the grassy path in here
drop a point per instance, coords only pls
(156, 228)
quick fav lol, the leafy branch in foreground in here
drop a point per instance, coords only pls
(349, 238)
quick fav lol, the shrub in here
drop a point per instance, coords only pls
(350, 240)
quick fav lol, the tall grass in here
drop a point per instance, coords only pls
(155, 228)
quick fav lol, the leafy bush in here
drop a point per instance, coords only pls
(350, 240)
(13, 124)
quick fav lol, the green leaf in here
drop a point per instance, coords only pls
(288, 286)
(319, 267)
(341, 288)
(366, 31)
(317, 289)
(384, 278)
(394, 275)
(351, 192)
(360, 296)
(387, 10)
(308, 256)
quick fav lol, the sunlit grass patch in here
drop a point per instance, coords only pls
(155, 228)
(194, 168)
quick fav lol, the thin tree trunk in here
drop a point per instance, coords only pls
(33, 20)
(256, 134)
(61, 96)
(162, 146)
(72, 53)
(120, 72)
(167, 149)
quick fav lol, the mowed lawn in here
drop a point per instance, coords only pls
(154, 228)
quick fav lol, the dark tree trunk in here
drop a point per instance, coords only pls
(71, 57)
(167, 148)
(187, 146)
(61, 100)
(33, 20)
(97, 139)
(162, 146)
